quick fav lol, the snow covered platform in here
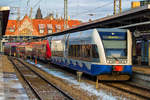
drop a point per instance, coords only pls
(10, 86)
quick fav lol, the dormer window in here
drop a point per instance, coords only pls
(50, 28)
(41, 28)
(67, 26)
(11, 29)
(58, 28)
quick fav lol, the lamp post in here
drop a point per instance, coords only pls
(65, 13)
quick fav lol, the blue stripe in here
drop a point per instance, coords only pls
(127, 70)
(95, 69)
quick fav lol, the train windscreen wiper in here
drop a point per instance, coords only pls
(115, 58)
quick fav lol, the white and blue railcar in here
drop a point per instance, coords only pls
(99, 52)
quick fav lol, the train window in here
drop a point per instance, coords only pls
(88, 52)
(57, 53)
(95, 51)
(57, 48)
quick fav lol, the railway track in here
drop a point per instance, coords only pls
(41, 87)
(130, 88)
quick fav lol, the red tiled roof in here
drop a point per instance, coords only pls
(35, 25)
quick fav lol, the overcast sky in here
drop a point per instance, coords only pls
(77, 9)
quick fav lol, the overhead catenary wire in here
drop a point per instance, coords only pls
(104, 5)
(36, 3)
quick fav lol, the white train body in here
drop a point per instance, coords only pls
(98, 52)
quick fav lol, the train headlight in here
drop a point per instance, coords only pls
(125, 61)
(110, 61)
(107, 61)
(122, 61)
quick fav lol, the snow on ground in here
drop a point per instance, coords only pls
(85, 86)
(2, 97)
(10, 87)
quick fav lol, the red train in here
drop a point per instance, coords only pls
(39, 49)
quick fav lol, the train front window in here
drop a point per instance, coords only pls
(115, 44)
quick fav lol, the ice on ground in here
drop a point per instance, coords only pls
(1, 79)
(85, 86)
(13, 88)
(30, 62)
(38, 65)
(2, 98)
(16, 85)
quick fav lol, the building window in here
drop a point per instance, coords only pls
(68, 26)
(41, 28)
(57, 48)
(50, 31)
(11, 29)
(58, 28)
(50, 28)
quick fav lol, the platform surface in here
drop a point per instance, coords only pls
(141, 69)
(10, 86)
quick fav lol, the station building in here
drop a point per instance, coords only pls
(37, 27)
(28, 28)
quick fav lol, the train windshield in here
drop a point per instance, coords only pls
(115, 44)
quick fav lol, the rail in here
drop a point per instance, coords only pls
(24, 71)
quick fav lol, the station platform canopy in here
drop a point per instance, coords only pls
(4, 14)
(134, 19)
(128, 19)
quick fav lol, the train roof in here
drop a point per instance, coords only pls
(99, 29)
(89, 32)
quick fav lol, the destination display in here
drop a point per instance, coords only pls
(113, 35)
